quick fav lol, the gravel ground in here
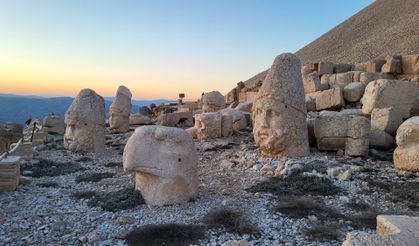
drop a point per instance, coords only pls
(45, 212)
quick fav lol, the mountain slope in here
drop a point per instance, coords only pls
(383, 28)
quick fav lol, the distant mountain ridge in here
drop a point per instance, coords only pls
(19, 108)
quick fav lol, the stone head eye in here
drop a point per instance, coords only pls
(179, 159)
(85, 124)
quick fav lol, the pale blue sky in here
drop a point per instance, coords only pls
(157, 48)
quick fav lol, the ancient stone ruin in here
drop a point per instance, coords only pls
(120, 110)
(85, 120)
(165, 164)
(279, 112)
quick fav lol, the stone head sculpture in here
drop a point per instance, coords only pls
(165, 162)
(85, 120)
(120, 110)
(213, 101)
(279, 112)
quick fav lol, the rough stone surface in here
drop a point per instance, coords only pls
(325, 68)
(213, 101)
(374, 66)
(406, 155)
(379, 139)
(138, 119)
(239, 121)
(386, 119)
(392, 65)
(85, 119)
(120, 110)
(353, 92)
(208, 125)
(185, 118)
(53, 124)
(9, 133)
(366, 77)
(165, 162)
(330, 99)
(9, 173)
(279, 112)
(385, 93)
(410, 64)
(311, 82)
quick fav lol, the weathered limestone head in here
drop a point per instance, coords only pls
(213, 101)
(85, 119)
(279, 112)
(120, 110)
(165, 162)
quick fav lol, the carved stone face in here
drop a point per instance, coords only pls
(119, 121)
(78, 136)
(270, 131)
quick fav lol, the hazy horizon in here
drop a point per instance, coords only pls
(158, 49)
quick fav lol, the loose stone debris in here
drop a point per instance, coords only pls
(301, 156)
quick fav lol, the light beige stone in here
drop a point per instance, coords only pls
(383, 93)
(310, 103)
(342, 68)
(391, 230)
(239, 121)
(245, 107)
(353, 92)
(410, 64)
(120, 110)
(337, 131)
(330, 99)
(208, 125)
(165, 162)
(138, 119)
(311, 82)
(213, 101)
(386, 119)
(177, 118)
(367, 77)
(279, 112)
(362, 67)
(374, 66)
(85, 119)
(9, 133)
(53, 124)
(406, 155)
(392, 65)
(9, 173)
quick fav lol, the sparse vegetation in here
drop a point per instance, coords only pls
(117, 200)
(166, 234)
(50, 168)
(84, 194)
(84, 159)
(233, 220)
(367, 219)
(301, 207)
(297, 185)
(113, 164)
(324, 233)
(93, 177)
(49, 184)
(357, 205)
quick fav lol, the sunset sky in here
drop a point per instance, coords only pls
(156, 48)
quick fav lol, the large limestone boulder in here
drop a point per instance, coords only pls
(165, 162)
(85, 120)
(177, 118)
(120, 110)
(9, 173)
(279, 112)
(208, 125)
(386, 119)
(213, 101)
(239, 121)
(138, 119)
(392, 65)
(325, 68)
(311, 82)
(337, 131)
(410, 64)
(330, 99)
(383, 93)
(406, 155)
(53, 124)
(374, 66)
(245, 107)
(353, 92)
(367, 77)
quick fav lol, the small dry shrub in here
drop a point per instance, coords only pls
(166, 234)
(114, 164)
(297, 185)
(84, 159)
(324, 233)
(49, 184)
(117, 200)
(357, 205)
(84, 194)
(48, 168)
(301, 207)
(233, 220)
(93, 177)
(366, 219)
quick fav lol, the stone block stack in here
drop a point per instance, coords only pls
(9, 173)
